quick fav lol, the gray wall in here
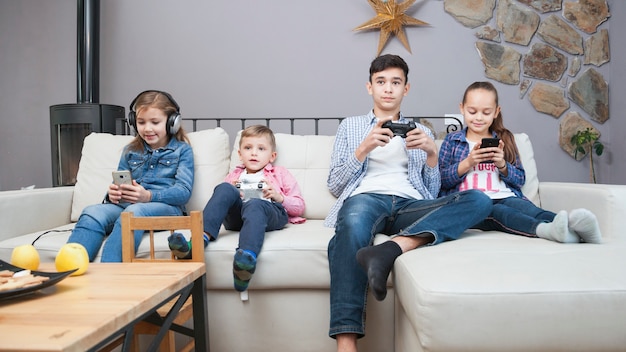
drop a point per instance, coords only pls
(280, 58)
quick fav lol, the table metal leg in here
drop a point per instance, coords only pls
(169, 318)
(197, 291)
(200, 315)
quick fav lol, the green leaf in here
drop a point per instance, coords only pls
(599, 148)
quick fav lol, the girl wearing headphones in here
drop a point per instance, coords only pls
(160, 161)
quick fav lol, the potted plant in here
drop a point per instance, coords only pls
(587, 141)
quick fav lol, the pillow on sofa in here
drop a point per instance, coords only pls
(211, 156)
(531, 187)
(101, 154)
(308, 159)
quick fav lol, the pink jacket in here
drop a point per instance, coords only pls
(280, 178)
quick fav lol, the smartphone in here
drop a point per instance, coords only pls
(489, 142)
(122, 177)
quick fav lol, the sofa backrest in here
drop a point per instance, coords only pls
(101, 154)
(307, 158)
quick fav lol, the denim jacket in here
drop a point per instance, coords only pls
(166, 172)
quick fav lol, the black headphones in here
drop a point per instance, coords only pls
(173, 121)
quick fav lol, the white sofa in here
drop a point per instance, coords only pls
(486, 292)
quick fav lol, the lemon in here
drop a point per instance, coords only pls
(72, 256)
(25, 257)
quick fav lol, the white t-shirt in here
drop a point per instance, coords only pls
(387, 172)
(486, 177)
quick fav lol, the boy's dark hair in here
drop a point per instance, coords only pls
(386, 61)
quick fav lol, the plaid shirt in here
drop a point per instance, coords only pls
(346, 171)
(454, 149)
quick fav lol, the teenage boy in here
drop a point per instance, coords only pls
(385, 184)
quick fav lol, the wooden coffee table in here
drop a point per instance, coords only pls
(87, 312)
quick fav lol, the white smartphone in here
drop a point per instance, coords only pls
(122, 177)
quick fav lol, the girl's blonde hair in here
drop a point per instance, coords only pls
(257, 131)
(510, 148)
(157, 100)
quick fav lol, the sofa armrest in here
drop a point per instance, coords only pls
(607, 202)
(27, 211)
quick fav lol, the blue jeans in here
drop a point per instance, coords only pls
(515, 215)
(251, 218)
(98, 220)
(362, 216)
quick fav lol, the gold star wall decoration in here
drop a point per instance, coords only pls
(391, 19)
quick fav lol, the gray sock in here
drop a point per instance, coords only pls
(557, 230)
(585, 224)
(377, 261)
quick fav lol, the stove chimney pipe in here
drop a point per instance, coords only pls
(88, 51)
(71, 123)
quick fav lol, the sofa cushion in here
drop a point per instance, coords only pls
(49, 242)
(211, 155)
(308, 159)
(531, 187)
(294, 257)
(565, 297)
(101, 154)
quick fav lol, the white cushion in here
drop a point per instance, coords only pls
(531, 187)
(490, 291)
(294, 257)
(101, 154)
(211, 153)
(308, 160)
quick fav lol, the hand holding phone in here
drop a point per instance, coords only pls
(490, 142)
(122, 177)
(487, 143)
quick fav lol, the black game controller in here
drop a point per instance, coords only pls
(399, 129)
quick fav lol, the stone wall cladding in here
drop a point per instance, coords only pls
(565, 41)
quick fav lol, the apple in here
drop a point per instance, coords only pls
(25, 257)
(72, 256)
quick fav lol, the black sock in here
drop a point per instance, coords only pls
(378, 261)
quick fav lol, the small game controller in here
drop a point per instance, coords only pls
(399, 129)
(251, 189)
